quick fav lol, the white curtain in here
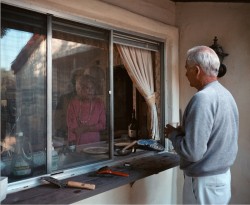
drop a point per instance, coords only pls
(138, 63)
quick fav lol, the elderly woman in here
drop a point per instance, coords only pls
(60, 120)
(86, 115)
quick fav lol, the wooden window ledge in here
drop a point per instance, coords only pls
(137, 168)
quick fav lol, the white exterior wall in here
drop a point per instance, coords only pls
(156, 189)
(230, 22)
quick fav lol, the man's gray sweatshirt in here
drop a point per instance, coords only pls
(209, 142)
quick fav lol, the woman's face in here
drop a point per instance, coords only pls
(78, 87)
(88, 89)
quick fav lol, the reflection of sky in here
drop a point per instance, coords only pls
(11, 44)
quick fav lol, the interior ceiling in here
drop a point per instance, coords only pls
(225, 1)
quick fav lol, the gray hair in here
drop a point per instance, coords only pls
(206, 58)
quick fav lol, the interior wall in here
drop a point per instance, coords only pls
(230, 22)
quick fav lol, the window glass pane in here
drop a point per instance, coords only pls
(23, 94)
(80, 103)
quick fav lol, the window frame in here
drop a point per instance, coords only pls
(20, 185)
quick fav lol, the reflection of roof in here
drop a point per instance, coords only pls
(65, 48)
(60, 49)
(26, 52)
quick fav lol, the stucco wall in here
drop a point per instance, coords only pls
(198, 24)
(151, 190)
(160, 10)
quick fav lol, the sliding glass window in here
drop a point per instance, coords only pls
(63, 106)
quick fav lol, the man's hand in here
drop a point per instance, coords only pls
(169, 129)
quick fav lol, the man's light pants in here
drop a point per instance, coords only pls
(214, 189)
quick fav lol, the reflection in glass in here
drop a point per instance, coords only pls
(23, 99)
(79, 101)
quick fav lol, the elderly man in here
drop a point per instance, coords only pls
(207, 140)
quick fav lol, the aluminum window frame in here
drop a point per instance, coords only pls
(32, 182)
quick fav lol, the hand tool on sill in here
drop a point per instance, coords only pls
(74, 184)
(107, 171)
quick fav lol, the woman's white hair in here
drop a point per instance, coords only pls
(206, 58)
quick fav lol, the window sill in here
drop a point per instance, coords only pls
(139, 168)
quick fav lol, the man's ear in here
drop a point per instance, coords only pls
(197, 70)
